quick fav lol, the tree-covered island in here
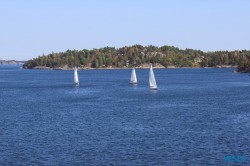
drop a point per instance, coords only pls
(140, 56)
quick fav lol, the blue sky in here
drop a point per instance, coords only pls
(29, 28)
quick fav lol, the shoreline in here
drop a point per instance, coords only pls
(127, 68)
(247, 70)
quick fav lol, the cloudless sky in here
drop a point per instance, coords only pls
(29, 28)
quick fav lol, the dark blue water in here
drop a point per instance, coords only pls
(196, 117)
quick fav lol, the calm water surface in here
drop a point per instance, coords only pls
(196, 117)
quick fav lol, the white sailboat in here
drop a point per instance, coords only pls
(152, 82)
(76, 80)
(133, 79)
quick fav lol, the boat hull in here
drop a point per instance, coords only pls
(133, 82)
(153, 88)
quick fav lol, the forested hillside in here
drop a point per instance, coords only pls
(124, 57)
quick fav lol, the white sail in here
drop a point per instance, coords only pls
(133, 79)
(152, 82)
(76, 81)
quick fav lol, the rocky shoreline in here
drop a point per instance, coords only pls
(143, 66)
(245, 70)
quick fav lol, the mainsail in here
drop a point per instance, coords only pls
(133, 79)
(76, 81)
(152, 82)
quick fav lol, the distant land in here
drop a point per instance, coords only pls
(140, 56)
(11, 62)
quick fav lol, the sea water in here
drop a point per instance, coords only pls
(196, 117)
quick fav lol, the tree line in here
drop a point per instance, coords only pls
(137, 55)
